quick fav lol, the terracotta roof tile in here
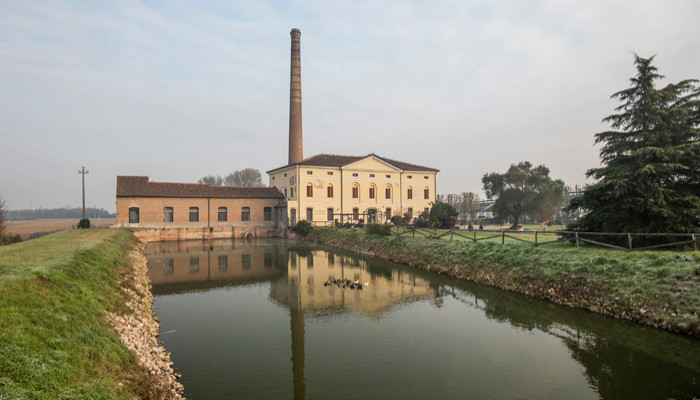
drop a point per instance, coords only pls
(140, 186)
(334, 160)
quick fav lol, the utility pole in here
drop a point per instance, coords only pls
(83, 172)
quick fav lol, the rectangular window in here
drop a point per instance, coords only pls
(330, 173)
(223, 262)
(309, 173)
(194, 214)
(273, 178)
(194, 264)
(425, 177)
(168, 266)
(329, 191)
(245, 261)
(387, 193)
(268, 213)
(426, 193)
(310, 260)
(309, 191)
(134, 215)
(223, 214)
(426, 211)
(285, 175)
(355, 192)
(388, 214)
(285, 192)
(245, 214)
(371, 193)
(167, 214)
(409, 177)
(330, 214)
(355, 214)
(371, 175)
(291, 192)
(309, 214)
(268, 260)
(354, 174)
(388, 176)
(410, 193)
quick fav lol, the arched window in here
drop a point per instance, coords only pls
(309, 190)
(409, 194)
(133, 215)
(329, 190)
(372, 190)
(223, 214)
(426, 193)
(167, 214)
(355, 214)
(387, 192)
(356, 191)
(194, 214)
(245, 214)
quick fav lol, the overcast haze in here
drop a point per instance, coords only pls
(176, 90)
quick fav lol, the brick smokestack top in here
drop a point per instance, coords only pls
(295, 140)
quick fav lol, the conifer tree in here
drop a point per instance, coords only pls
(649, 180)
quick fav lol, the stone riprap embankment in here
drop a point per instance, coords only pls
(139, 328)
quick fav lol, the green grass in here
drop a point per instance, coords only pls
(54, 339)
(658, 288)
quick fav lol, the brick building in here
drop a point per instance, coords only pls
(147, 204)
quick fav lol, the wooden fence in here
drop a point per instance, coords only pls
(540, 238)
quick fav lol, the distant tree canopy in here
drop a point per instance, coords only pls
(3, 220)
(465, 202)
(250, 177)
(524, 190)
(49, 213)
(650, 177)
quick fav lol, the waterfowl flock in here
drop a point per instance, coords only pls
(344, 283)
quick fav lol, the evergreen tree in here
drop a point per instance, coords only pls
(650, 177)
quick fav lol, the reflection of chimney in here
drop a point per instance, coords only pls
(295, 141)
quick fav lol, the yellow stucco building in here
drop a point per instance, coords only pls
(332, 188)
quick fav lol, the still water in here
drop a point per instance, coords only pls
(258, 321)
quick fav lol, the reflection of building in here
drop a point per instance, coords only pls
(326, 187)
(143, 203)
(303, 285)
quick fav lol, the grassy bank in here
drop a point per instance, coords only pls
(55, 342)
(660, 289)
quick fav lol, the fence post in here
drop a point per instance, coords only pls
(629, 241)
(576, 239)
(535, 238)
(474, 235)
(414, 231)
(452, 234)
(695, 242)
(503, 236)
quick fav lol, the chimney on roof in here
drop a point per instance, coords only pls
(295, 140)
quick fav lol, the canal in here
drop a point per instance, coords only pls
(260, 320)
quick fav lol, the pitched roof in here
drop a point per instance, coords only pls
(334, 160)
(141, 186)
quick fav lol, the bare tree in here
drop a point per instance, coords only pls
(212, 180)
(245, 177)
(470, 203)
(3, 218)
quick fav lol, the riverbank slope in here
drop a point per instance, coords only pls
(62, 297)
(661, 289)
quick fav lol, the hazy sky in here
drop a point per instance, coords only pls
(178, 90)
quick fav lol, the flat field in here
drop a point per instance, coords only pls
(27, 228)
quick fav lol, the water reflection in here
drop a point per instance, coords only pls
(480, 339)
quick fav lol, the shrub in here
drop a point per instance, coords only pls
(84, 224)
(397, 220)
(379, 229)
(303, 227)
(10, 238)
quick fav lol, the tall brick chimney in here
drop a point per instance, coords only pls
(296, 153)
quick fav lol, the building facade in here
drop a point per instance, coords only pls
(146, 204)
(331, 188)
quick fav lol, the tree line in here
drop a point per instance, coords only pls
(51, 213)
(249, 177)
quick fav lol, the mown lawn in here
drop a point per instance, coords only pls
(54, 340)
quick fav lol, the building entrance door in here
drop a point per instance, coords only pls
(372, 215)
